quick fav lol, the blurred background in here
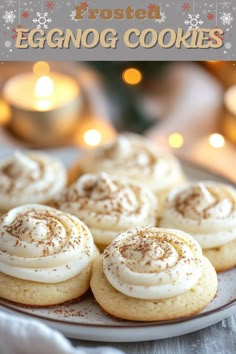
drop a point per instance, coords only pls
(186, 107)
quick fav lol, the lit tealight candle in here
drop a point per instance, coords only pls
(229, 117)
(230, 99)
(45, 106)
(5, 113)
(44, 92)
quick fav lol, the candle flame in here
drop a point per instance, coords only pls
(44, 90)
(44, 87)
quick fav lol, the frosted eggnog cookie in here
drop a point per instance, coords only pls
(152, 274)
(46, 256)
(133, 157)
(207, 211)
(108, 205)
(30, 177)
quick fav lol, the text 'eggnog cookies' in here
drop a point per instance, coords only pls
(152, 274)
(30, 177)
(207, 211)
(46, 256)
(108, 205)
(133, 157)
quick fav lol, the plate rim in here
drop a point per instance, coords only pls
(121, 335)
(59, 324)
(132, 324)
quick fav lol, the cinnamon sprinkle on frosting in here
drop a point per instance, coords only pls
(36, 238)
(206, 210)
(167, 262)
(108, 205)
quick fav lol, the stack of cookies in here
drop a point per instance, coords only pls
(124, 221)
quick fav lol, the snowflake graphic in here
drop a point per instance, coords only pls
(10, 3)
(226, 18)
(193, 22)
(50, 5)
(186, 6)
(228, 45)
(9, 16)
(42, 20)
(25, 14)
(73, 16)
(210, 16)
(162, 18)
(7, 44)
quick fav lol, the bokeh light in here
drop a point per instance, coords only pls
(217, 141)
(132, 76)
(176, 140)
(92, 137)
(93, 131)
(41, 68)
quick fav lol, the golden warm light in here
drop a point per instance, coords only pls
(176, 140)
(43, 105)
(93, 132)
(217, 141)
(132, 76)
(5, 112)
(92, 137)
(230, 99)
(44, 89)
(41, 68)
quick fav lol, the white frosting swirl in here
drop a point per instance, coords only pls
(206, 210)
(108, 206)
(133, 157)
(30, 177)
(152, 263)
(43, 244)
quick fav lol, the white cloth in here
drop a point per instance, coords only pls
(22, 336)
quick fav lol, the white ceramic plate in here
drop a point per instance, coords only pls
(85, 320)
